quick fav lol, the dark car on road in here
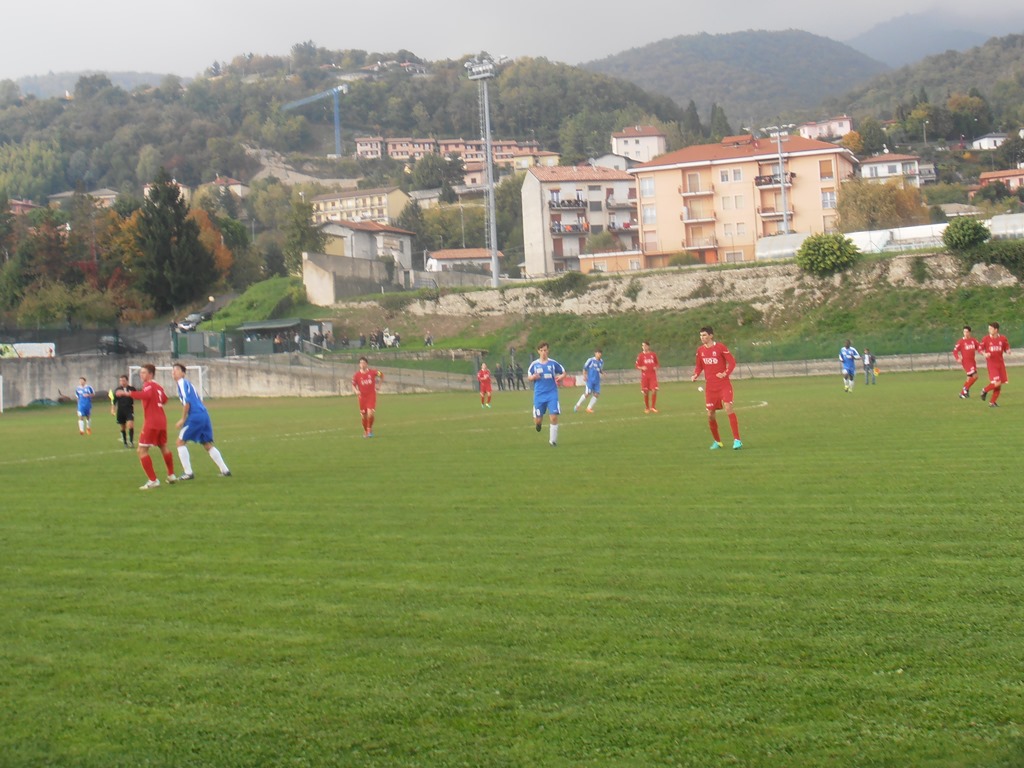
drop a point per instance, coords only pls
(119, 345)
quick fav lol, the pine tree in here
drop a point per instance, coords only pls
(175, 268)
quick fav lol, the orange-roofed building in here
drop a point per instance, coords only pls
(715, 201)
(1012, 178)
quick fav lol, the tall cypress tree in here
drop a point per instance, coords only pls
(175, 268)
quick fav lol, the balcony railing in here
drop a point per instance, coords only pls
(693, 217)
(697, 192)
(700, 243)
(771, 214)
(614, 202)
(571, 203)
(628, 226)
(557, 228)
(773, 180)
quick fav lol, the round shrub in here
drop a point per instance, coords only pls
(826, 254)
(964, 233)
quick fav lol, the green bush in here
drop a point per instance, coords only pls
(394, 303)
(964, 233)
(1007, 253)
(568, 283)
(827, 254)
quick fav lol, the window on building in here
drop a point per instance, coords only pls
(727, 230)
(600, 266)
(647, 186)
(594, 188)
(737, 174)
(650, 214)
(726, 203)
(892, 170)
(825, 169)
(723, 176)
(596, 229)
(594, 205)
(733, 256)
(634, 264)
(739, 201)
(828, 198)
(741, 228)
(873, 172)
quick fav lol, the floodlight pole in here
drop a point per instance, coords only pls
(483, 70)
(778, 129)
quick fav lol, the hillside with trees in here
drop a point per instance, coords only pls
(753, 75)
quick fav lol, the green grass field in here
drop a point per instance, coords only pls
(844, 591)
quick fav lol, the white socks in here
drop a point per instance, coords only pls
(554, 434)
(218, 459)
(186, 460)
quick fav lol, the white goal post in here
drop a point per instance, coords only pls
(196, 374)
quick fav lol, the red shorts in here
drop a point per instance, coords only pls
(155, 437)
(648, 381)
(715, 399)
(485, 388)
(367, 404)
(997, 373)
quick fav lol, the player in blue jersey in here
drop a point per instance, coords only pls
(545, 374)
(84, 394)
(848, 357)
(194, 425)
(592, 370)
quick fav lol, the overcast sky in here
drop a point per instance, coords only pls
(184, 37)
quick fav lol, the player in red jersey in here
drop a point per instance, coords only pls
(964, 352)
(365, 382)
(154, 427)
(716, 362)
(484, 377)
(993, 347)
(647, 364)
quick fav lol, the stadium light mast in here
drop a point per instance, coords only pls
(777, 131)
(482, 69)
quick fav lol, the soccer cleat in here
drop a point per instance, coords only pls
(227, 472)
(131, 444)
(736, 444)
(715, 445)
(537, 426)
(963, 395)
(172, 479)
(149, 484)
(647, 410)
(590, 410)
(654, 410)
(984, 395)
(188, 476)
(993, 405)
(81, 433)
(488, 405)
(576, 408)
(554, 445)
(88, 430)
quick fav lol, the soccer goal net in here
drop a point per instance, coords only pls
(197, 374)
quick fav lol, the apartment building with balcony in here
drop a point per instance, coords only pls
(383, 204)
(565, 205)
(715, 201)
(641, 143)
(830, 128)
(890, 167)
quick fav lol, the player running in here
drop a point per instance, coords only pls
(84, 393)
(964, 352)
(716, 362)
(848, 355)
(993, 347)
(365, 383)
(545, 374)
(483, 376)
(154, 425)
(592, 371)
(194, 426)
(647, 364)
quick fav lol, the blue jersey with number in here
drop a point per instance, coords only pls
(84, 395)
(593, 368)
(197, 428)
(848, 356)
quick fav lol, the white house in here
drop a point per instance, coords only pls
(989, 141)
(831, 128)
(640, 142)
(905, 169)
(454, 259)
(369, 240)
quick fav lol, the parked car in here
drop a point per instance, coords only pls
(119, 345)
(191, 322)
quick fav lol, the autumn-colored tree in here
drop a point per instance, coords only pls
(865, 205)
(853, 142)
(210, 236)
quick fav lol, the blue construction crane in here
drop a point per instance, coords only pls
(333, 92)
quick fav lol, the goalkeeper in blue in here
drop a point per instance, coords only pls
(592, 371)
(194, 425)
